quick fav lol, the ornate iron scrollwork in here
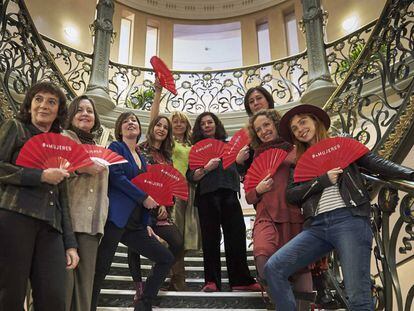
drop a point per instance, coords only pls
(24, 59)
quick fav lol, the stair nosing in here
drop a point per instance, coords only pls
(129, 278)
(243, 294)
(148, 267)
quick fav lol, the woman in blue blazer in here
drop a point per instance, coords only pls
(128, 215)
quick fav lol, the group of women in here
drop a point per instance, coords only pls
(62, 221)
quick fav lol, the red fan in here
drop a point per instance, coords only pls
(326, 155)
(240, 139)
(173, 179)
(153, 183)
(51, 150)
(266, 163)
(204, 151)
(163, 74)
(103, 156)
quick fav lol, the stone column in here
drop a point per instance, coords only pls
(103, 31)
(320, 85)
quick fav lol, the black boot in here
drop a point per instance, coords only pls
(143, 305)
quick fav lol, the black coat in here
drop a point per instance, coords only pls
(351, 185)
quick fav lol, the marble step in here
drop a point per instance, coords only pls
(190, 271)
(125, 282)
(122, 248)
(193, 300)
(122, 257)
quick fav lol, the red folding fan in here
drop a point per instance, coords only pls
(266, 163)
(51, 150)
(103, 156)
(326, 155)
(163, 74)
(240, 139)
(204, 151)
(154, 184)
(172, 178)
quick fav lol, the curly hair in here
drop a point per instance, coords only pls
(73, 110)
(264, 92)
(118, 125)
(272, 115)
(24, 114)
(198, 134)
(183, 117)
(168, 143)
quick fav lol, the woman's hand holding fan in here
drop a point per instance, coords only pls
(330, 153)
(150, 203)
(205, 150)
(162, 182)
(54, 176)
(231, 151)
(163, 74)
(264, 165)
(172, 179)
(51, 150)
(265, 185)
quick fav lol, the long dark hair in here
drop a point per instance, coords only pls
(264, 92)
(118, 125)
(198, 134)
(167, 144)
(73, 110)
(24, 114)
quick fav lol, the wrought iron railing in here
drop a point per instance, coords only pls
(342, 53)
(392, 223)
(377, 91)
(23, 57)
(75, 65)
(375, 103)
(213, 90)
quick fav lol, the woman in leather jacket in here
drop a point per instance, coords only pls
(336, 207)
(37, 242)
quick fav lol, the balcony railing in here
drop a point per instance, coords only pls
(218, 91)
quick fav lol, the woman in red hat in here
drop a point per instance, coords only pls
(336, 207)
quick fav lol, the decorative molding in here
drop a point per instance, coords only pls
(200, 10)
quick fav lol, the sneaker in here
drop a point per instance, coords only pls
(255, 287)
(210, 287)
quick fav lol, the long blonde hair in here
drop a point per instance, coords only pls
(183, 117)
(321, 133)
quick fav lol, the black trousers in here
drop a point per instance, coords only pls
(170, 234)
(139, 241)
(30, 249)
(221, 208)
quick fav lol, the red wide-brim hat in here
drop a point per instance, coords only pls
(284, 125)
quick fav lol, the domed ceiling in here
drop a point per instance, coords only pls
(200, 9)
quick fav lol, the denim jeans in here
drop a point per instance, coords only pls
(349, 235)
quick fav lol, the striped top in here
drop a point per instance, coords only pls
(330, 200)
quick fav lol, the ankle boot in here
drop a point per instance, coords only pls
(139, 289)
(177, 282)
